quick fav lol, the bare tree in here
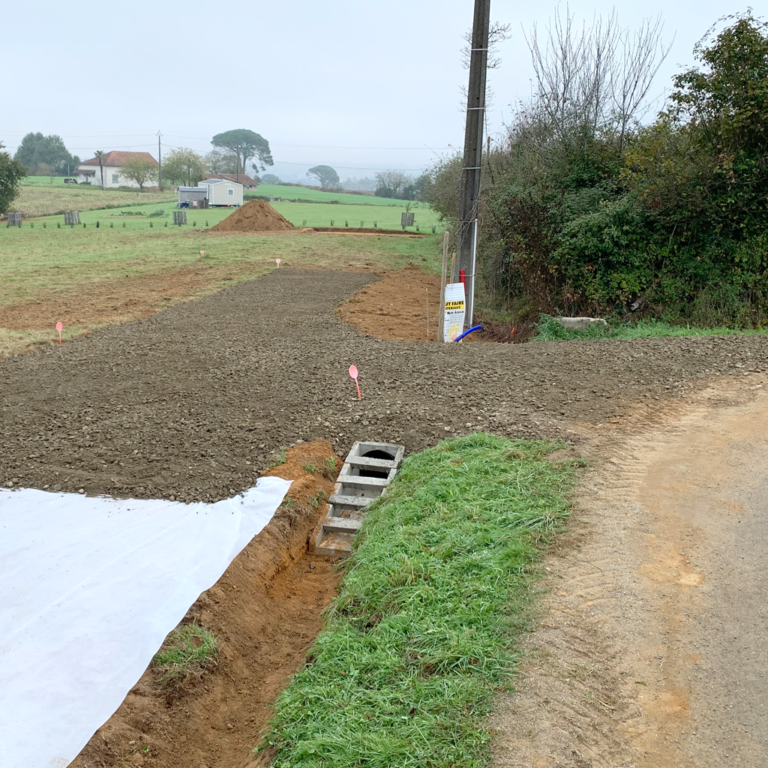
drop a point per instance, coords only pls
(594, 77)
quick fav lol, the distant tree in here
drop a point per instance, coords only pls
(270, 178)
(244, 144)
(11, 174)
(25, 153)
(184, 166)
(327, 177)
(139, 170)
(221, 161)
(44, 169)
(360, 185)
(391, 183)
(99, 153)
(36, 149)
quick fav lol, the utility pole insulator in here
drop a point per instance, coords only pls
(473, 152)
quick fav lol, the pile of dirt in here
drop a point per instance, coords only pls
(256, 216)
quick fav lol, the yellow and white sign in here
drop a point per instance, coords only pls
(454, 309)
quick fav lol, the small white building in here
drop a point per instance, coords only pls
(223, 192)
(90, 172)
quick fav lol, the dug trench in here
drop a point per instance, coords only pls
(265, 613)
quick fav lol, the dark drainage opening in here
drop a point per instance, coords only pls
(376, 454)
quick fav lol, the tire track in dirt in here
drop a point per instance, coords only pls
(629, 665)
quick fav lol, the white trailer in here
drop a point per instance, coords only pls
(223, 192)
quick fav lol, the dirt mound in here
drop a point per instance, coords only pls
(256, 216)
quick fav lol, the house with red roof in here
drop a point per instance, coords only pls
(90, 171)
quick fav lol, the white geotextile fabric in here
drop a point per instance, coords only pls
(89, 588)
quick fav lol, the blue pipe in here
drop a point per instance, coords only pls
(467, 332)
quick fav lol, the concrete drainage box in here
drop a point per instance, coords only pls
(368, 469)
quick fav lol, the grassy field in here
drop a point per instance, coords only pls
(139, 207)
(43, 199)
(39, 197)
(282, 192)
(44, 181)
(434, 600)
(34, 260)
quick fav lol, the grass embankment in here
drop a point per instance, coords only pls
(548, 329)
(434, 600)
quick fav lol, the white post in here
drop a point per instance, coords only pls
(471, 297)
(443, 278)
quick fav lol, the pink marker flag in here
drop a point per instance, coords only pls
(202, 253)
(59, 328)
(353, 374)
(277, 261)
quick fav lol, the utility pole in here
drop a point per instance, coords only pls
(159, 162)
(473, 153)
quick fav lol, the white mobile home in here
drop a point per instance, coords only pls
(223, 192)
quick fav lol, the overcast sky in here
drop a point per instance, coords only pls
(361, 85)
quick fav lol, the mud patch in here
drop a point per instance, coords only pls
(266, 611)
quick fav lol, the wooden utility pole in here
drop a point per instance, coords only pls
(473, 152)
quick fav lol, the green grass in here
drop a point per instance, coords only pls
(282, 192)
(435, 598)
(548, 329)
(187, 651)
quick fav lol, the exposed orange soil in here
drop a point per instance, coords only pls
(402, 306)
(266, 611)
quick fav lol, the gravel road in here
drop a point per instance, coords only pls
(192, 402)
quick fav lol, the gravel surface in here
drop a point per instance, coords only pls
(191, 403)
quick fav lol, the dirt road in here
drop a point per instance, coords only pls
(651, 650)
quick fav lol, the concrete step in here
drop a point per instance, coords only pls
(349, 501)
(364, 461)
(341, 525)
(363, 482)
